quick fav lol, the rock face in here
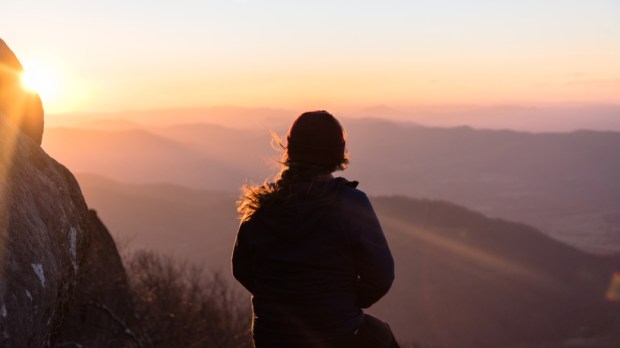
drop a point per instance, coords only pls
(22, 108)
(101, 313)
(62, 281)
(44, 229)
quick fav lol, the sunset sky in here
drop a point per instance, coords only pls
(124, 54)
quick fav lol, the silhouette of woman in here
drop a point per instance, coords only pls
(310, 248)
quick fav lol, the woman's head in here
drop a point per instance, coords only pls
(315, 148)
(316, 139)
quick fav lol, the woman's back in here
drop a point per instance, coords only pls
(304, 279)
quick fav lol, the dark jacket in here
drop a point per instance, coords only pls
(312, 264)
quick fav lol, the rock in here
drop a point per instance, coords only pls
(101, 312)
(44, 232)
(22, 108)
(62, 281)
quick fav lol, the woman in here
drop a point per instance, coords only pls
(310, 248)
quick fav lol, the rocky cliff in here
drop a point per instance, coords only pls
(44, 232)
(62, 282)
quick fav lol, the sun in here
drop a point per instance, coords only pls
(41, 79)
(60, 91)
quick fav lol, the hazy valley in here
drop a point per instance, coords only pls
(562, 183)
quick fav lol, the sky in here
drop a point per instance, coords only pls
(137, 55)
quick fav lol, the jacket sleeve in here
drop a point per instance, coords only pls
(242, 258)
(373, 259)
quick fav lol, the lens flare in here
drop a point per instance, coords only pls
(613, 292)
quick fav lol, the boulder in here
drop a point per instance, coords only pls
(101, 313)
(44, 232)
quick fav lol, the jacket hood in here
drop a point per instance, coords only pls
(309, 203)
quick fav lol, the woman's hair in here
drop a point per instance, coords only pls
(278, 192)
(315, 148)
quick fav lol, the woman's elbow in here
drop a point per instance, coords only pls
(369, 294)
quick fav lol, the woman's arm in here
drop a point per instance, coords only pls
(374, 262)
(242, 259)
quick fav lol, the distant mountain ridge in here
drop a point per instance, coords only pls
(558, 117)
(463, 280)
(563, 183)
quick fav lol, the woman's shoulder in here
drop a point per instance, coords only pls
(350, 193)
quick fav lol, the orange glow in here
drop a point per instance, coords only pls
(370, 83)
(59, 91)
(613, 292)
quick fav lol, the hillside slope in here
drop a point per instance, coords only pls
(464, 280)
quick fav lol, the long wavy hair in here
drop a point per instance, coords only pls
(278, 191)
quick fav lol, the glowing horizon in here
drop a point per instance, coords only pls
(135, 56)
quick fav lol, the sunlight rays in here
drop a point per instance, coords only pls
(13, 104)
(467, 253)
(59, 89)
(9, 137)
(474, 263)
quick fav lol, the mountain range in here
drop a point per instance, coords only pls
(463, 280)
(564, 184)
